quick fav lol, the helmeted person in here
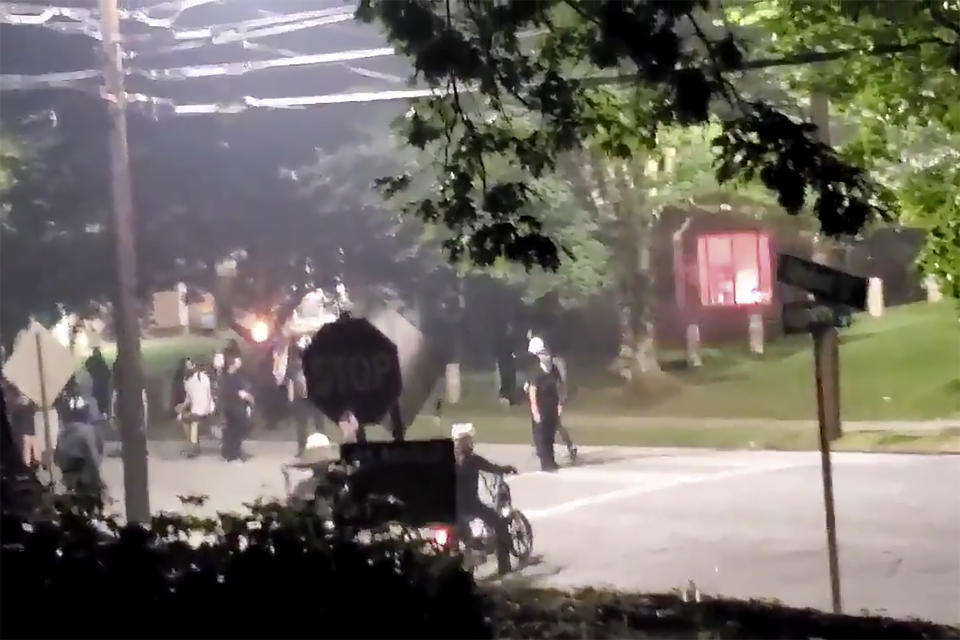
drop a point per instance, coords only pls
(318, 454)
(546, 391)
(469, 505)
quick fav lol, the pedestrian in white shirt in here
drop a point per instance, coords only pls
(198, 406)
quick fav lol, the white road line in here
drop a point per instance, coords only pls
(678, 480)
(622, 476)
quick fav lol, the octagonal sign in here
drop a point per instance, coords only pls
(351, 366)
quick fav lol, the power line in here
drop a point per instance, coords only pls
(143, 15)
(225, 34)
(62, 79)
(86, 22)
(67, 79)
(20, 13)
(240, 68)
(298, 102)
(165, 106)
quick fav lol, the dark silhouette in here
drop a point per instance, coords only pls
(99, 372)
(235, 401)
(507, 366)
(469, 466)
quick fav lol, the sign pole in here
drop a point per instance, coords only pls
(826, 365)
(44, 407)
(396, 422)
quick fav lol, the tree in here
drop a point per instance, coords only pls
(483, 56)
(203, 190)
(905, 108)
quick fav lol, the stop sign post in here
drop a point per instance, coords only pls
(351, 366)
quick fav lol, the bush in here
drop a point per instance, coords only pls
(275, 572)
(542, 613)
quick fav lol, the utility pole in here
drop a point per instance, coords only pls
(129, 379)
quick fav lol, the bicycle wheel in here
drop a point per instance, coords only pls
(521, 536)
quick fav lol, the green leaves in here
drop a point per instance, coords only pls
(528, 102)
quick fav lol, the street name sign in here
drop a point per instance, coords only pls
(826, 283)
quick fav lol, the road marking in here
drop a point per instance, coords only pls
(601, 475)
(678, 480)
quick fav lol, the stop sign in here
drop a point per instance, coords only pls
(351, 366)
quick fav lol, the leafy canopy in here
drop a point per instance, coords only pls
(555, 61)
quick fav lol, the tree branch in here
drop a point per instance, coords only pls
(812, 57)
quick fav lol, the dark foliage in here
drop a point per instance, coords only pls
(529, 613)
(502, 96)
(270, 574)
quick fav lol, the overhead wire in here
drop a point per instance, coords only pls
(241, 31)
(22, 13)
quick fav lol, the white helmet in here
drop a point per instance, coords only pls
(536, 346)
(317, 449)
(462, 430)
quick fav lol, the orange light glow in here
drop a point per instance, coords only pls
(260, 331)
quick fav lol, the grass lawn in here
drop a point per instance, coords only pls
(162, 355)
(903, 366)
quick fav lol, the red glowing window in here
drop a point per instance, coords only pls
(734, 269)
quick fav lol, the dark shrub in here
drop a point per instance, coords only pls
(274, 573)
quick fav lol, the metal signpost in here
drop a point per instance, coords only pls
(40, 367)
(834, 290)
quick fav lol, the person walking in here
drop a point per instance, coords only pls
(79, 449)
(99, 372)
(539, 353)
(507, 368)
(545, 394)
(178, 391)
(235, 401)
(21, 412)
(198, 406)
(306, 416)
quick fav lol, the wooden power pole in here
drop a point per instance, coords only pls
(129, 379)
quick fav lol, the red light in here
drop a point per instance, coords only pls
(441, 536)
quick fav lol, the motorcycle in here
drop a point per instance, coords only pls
(475, 542)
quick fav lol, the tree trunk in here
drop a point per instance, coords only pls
(613, 192)
(452, 378)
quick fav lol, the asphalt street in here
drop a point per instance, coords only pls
(746, 524)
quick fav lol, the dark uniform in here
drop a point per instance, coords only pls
(469, 505)
(79, 452)
(235, 414)
(549, 392)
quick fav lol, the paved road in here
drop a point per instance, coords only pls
(741, 524)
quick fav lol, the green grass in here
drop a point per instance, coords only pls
(162, 355)
(903, 366)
